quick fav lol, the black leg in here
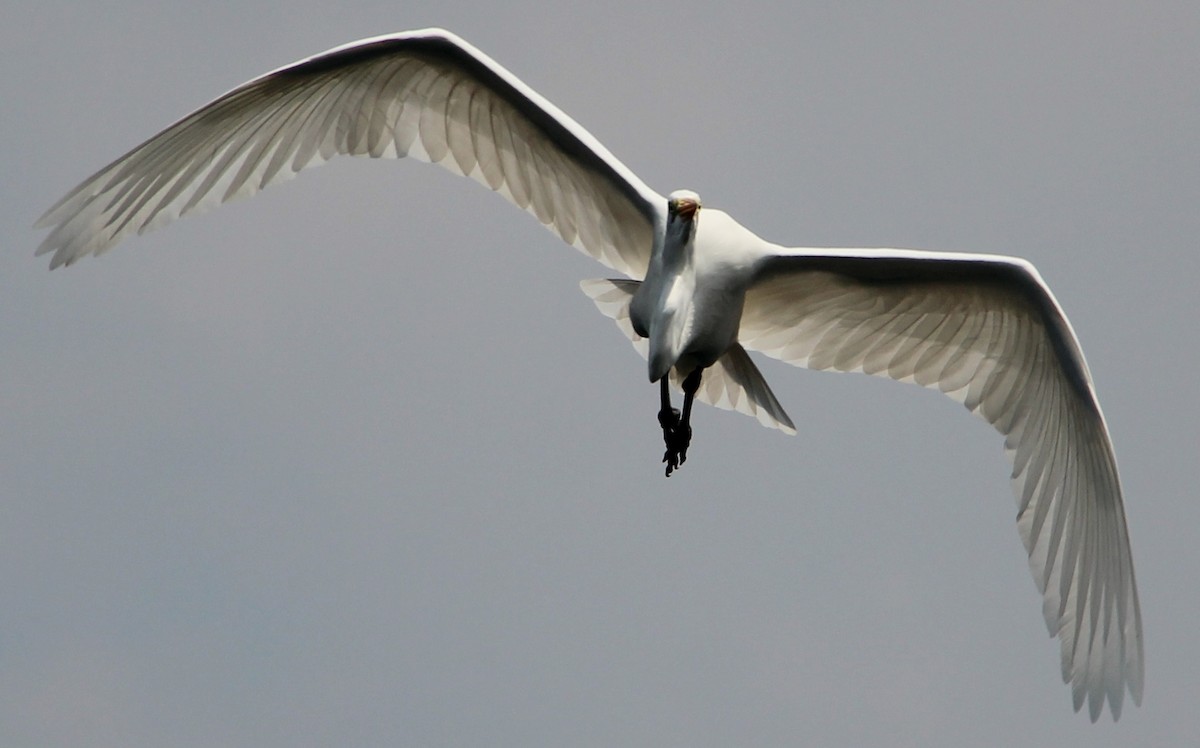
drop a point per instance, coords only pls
(668, 418)
(691, 385)
(677, 428)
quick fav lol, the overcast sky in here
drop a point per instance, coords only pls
(356, 463)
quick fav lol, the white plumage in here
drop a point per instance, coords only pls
(702, 289)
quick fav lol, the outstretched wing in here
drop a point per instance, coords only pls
(426, 94)
(986, 331)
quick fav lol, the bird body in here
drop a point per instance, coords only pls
(689, 306)
(700, 291)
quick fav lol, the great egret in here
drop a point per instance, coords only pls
(701, 290)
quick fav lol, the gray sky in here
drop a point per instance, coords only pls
(355, 462)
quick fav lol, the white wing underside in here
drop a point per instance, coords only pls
(998, 343)
(424, 94)
(999, 348)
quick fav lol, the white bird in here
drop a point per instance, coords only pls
(702, 289)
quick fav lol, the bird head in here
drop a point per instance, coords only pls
(682, 205)
(683, 212)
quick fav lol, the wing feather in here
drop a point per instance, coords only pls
(425, 94)
(986, 331)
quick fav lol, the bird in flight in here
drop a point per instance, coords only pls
(699, 291)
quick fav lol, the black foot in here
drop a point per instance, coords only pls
(676, 426)
(677, 440)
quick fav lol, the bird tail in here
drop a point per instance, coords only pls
(732, 383)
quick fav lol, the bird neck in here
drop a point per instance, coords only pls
(677, 246)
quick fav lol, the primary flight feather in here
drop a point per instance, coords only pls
(701, 291)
